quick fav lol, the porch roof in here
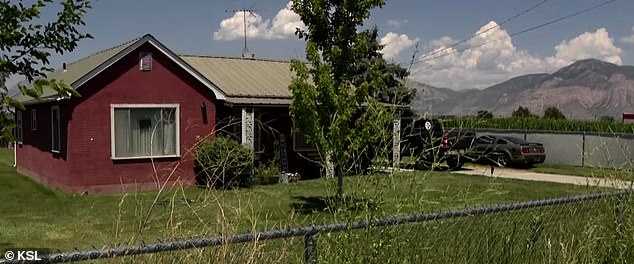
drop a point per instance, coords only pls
(246, 81)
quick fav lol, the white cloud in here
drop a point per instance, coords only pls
(286, 22)
(394, 44)
(232, 28)
(596, 45)
(491, 57)
(282, 26)
(444, 41)
(629, 39)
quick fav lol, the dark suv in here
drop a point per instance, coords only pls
(428, 143)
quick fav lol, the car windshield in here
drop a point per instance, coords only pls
(515, 140)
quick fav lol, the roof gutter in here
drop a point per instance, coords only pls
(260, 105)
(46, 100)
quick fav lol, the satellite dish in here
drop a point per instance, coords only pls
(246, 53)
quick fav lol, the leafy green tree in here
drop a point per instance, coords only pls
(395, 90)
(27, 43)
(483, 114)
(553, 113)
(522, 112)
(607, 119)
(337, 100)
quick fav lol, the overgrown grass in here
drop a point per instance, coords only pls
(35, 216)
(540, 124)
(592, 172)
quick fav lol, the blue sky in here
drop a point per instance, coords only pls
(203, 27)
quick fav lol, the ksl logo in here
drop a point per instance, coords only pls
(22, 255)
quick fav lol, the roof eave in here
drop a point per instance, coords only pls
(45, 100)
(219, 94)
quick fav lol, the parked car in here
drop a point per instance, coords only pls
(504, 151)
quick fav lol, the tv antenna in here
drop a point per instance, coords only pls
(246, 53)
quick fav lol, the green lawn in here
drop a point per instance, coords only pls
(611, 173)
(35, 216)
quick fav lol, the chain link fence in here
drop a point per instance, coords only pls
(594, 228)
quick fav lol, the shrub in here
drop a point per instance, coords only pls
(607, 119)
(223, 163)
(267, 174)
(553, 113)
(483, 114)
(522, 112)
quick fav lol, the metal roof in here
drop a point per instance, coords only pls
(79, 72)
(235, 80)
(238, 81)
(76, 70)
(246, 78)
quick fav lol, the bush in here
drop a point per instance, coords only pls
(223, 163)
(553, 113)
(267, 174)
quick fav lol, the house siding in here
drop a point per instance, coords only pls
(34, 156)
(87, 160)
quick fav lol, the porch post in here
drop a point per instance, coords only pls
(396, 143)
(247, 128)
(330, 167)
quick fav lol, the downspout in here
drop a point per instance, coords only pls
(15, 154)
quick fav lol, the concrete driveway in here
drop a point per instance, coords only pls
(545, 177)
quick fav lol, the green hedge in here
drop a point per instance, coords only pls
(540, 124)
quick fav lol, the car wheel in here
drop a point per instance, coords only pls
(454, 163)
(425, 162)
(503, 160)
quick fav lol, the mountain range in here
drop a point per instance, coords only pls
(586, 89)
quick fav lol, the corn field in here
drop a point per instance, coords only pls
(540, 124)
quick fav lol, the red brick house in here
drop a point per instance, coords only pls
(141, 111)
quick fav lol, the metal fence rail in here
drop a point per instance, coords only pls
(308, 232)
(585, 149)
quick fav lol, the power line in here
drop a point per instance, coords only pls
(508, 19)
(423, 59)
(486, 30)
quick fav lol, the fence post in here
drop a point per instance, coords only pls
(310, 249)
(396, 143)
(583, 149)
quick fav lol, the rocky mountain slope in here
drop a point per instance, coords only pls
(586, 89)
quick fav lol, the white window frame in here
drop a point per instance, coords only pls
(59, 125)
(19, 127)
(176, 107)
(33, 119)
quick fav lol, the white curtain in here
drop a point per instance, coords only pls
(122, 132)
(145, 132)
(169, 131)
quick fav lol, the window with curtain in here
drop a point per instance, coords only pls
(33, 119)
(144, 131)
(18, 126)
(55, 129)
